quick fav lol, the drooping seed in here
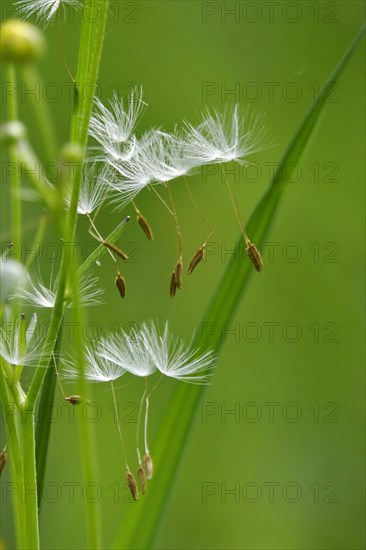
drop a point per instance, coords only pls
(116, 250)
(120, 284)
(142, 478)
(3, 460)
(144, 226)
(132, 485)
(148, 466)
(73, 399)
(197, 258)
(254, 256)
(173, 285)
(178, 273)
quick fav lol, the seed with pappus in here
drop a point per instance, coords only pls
(132, 485)
(142, 478)
(148, 466)
(173, 285)
(44, 10)
(144, 226)
(254, 256)
(197, 258)
(120, 284)
(178, 273)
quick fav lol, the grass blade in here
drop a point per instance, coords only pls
(139, 526)
(43, 426)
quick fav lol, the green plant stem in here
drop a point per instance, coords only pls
(29, 485)
(91, 40)
(16, 205)
(101, 250)
(15, 460)
(87, 446)
(175, 428)
(41, 111)
(31, 166)
(38, 238)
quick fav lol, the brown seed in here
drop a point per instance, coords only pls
(73, 399)
(197, 258)
(3, 460)
(254, 256)
(144, 226)
(142, 478)
(178, 273)
(148, 466)
(132, 485)
(173, 285)
(116, 250)
(120, 284)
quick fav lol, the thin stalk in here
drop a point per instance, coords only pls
(138, 422)
(147, 413)
(15, 182)
(119, 425)
(15, 461)
(177, 226)
(235, 204)
(198, 210)
(29, 485)
(63, 57)
(38, 238)
(41, 111)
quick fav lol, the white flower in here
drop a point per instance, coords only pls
(44, 10)
(173, 358)
(223, 137)
(15, 347)
(40, 295)
(94, 187)
(128, 352)
(112, 129)
(97, 369)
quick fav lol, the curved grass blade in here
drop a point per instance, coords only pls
(140, 525)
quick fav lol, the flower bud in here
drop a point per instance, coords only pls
(11, 132)
(148, 466)
(20, 42)
(71, 153)
(12, 275)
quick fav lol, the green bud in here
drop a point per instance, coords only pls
(12, 275)
(11, 132)
(71, 153)
(20, 42)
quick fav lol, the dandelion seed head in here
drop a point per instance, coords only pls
(11, 348)
(174, 358)
(224, 137)
(38, 294)
(44, 10)
(97, 369)
(112, 128)
(94, 187)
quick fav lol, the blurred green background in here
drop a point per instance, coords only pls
(292, 453)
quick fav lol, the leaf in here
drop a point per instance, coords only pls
(43, 426)
(139, 526)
